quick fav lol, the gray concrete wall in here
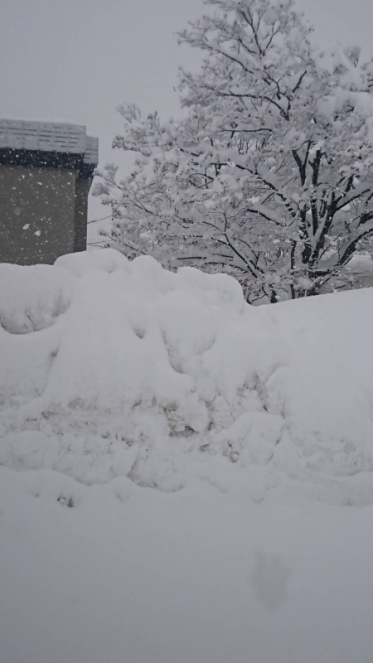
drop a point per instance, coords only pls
(82, 187)
(37, 214)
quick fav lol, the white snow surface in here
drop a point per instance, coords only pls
(176, 469)
(116, 368)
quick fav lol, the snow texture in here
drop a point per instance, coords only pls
(126, 574)
(114, 368)
(176, 467)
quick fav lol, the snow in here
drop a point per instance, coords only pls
(136, 575)
(130, 369)
(31, 298)
(177, 468)
(361, 263)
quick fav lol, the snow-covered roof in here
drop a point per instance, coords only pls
(49, 137)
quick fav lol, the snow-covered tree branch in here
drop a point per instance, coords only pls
(269, 176)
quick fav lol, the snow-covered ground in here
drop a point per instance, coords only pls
(183, 478)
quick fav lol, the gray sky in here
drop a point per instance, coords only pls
(76, 60)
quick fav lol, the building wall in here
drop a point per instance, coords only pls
(38, 213)
(82, 187)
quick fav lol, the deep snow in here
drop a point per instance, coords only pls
(178, 469)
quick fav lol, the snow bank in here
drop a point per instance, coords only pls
(114, 368)
(118, 378)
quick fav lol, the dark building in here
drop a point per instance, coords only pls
(46, 170)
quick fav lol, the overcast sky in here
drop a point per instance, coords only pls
(77, 60)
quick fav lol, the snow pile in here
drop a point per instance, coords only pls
(31, 299)
(117, 378)
(113, 368)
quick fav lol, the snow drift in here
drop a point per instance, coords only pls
(115, 368)
(166, 452)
